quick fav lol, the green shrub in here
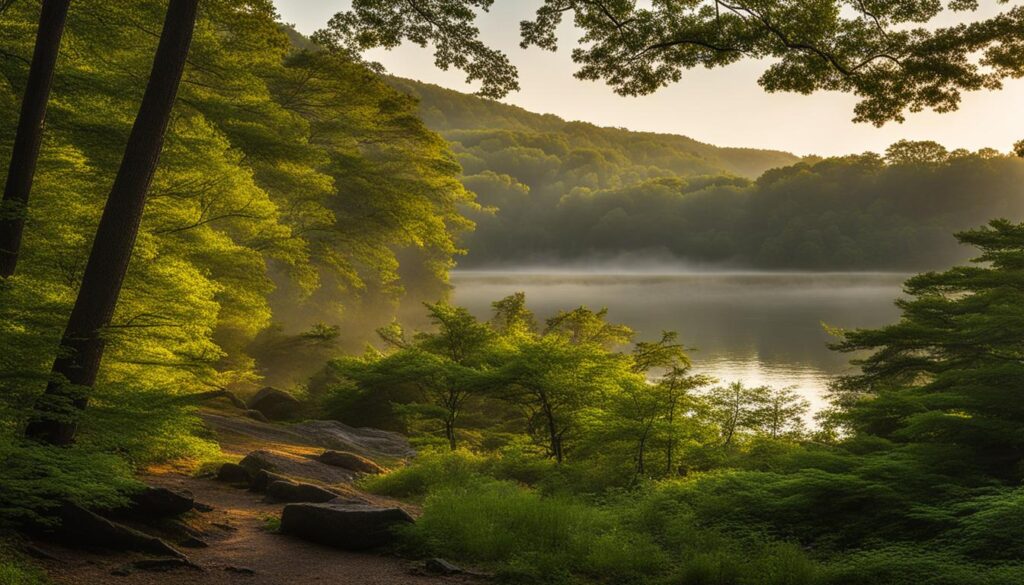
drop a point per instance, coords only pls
(720, 567)
(993, 526)
(15, 573)
(524, 534)
(431, 469)
(34, 479)
(907, 565)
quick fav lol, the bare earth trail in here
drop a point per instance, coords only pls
(241, 549)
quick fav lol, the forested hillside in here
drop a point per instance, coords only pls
(602, 156)
(572, 192)
(863, 212)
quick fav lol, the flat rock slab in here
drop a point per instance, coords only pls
(344, 526)
(370, 443)
(350, 461)
(84, 528)
(294, 467)
(291, 492)
(161, 502)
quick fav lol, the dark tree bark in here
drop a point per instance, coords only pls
(75, 368)
(29, 135)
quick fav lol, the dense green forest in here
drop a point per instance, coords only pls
(289, 185)
(566, 192)
(254, 221)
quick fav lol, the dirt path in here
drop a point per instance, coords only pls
(239, 543)
(241, 548)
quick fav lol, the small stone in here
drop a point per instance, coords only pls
(256, 415)
(201, 507)
(240, 570)
(193, 542)
(439, 566)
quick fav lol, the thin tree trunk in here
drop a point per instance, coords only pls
(670, 447)
(641, 455)
(29, 135)
(553, 434)
(449, 432)
(75, 369)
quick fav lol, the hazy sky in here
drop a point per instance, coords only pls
(723, 106)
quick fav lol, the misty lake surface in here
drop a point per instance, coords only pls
(759, 328)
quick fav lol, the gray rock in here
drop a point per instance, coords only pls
(373, 443)
(84, 528)
(262, 478)
(275, 404)
(295, 467)
(160, 502)
(439, 566)
(350, 461)
(234, 474)
(344, 526)
(290, 492)
(256, 415)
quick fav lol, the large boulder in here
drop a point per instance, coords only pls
(81, 527)
(295, 467)
(275, 404)
(350, 461)
(161, 502)
(344, 526)
(263, 478)
(234, 473)
(373, 443)
(291, 492)
(368, 442)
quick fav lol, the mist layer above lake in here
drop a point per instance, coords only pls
(761, 328)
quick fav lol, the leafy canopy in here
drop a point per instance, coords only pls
(890, 53)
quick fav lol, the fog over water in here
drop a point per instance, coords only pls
(758, 327)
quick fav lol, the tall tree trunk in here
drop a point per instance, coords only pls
(75, 369)
(29, 135)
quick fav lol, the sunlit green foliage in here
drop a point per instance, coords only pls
(283, 170)
(921, 485)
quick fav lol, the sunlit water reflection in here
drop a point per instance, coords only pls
(761, 328)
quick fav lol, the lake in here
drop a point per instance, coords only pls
(759, 328)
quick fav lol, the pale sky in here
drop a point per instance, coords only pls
(722, 106)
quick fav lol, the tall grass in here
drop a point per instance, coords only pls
(662, 533)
